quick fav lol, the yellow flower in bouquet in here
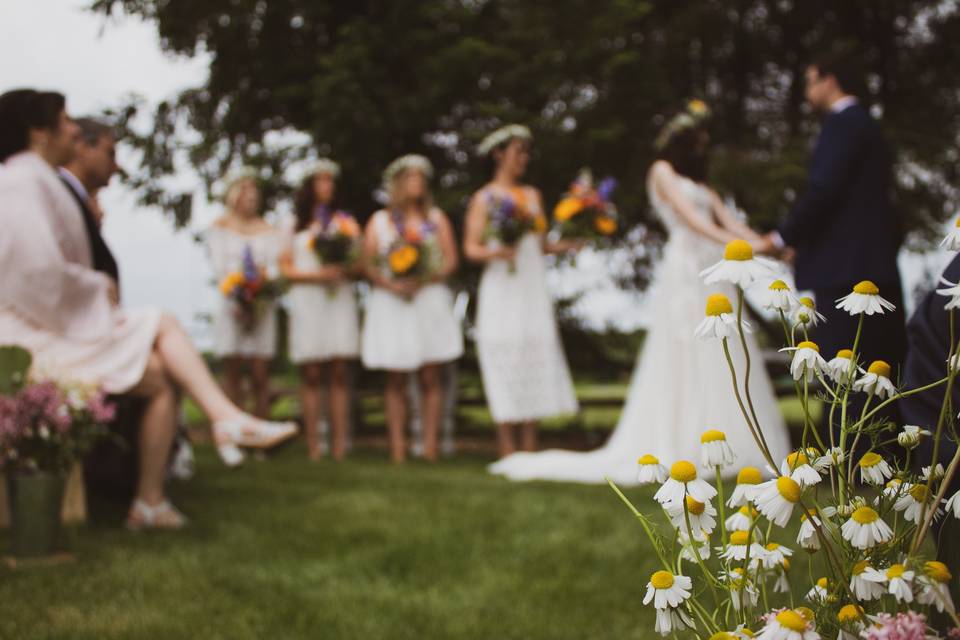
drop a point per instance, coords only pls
(605, 226)
(231, 282)
(567, 208)
(403, 258)
(540, 224)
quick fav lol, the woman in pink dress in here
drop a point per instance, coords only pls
(55, 305)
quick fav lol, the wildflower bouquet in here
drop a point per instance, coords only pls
(46, 424)
(510, 217)
(414, 253)
(585, 212)
(337, 240)
(251, 291)
(726, 561)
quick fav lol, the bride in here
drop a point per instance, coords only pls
(681, 385)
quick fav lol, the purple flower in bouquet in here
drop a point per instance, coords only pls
(101, 410)
(606, 187)
(322, 214)
(250, 271)
(903, 626)
(45, 403)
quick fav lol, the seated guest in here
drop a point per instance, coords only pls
(54, 303)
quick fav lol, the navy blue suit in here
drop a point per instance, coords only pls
(845, 230)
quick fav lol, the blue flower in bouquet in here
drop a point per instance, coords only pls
(250, 270)
(606, 187)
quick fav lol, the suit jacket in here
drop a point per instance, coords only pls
(843, 226)
(103, 259)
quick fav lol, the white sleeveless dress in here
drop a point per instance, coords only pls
(404, 335)
(681, 385)
(323, 320)
(226, 249)
(524, 370)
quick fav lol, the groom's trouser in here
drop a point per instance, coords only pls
(884, 337)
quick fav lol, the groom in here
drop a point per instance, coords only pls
(843, 227)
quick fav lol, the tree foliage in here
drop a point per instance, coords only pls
(371, 79)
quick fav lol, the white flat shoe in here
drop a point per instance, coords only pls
(162, 516)
(231, 454)
(253, 433)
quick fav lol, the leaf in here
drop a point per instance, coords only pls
(14, 364)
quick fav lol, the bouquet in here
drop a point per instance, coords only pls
(510, 218)
(337, 240)
(585, 212)
(46, 424)
(861, 516)
(251, 291)
(414, 253)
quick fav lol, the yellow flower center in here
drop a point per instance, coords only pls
(788, 488)
(697, 107)
(695, 507)
(864, 515)
(723, 635)
(738, 250)
(849, 613)
(796, 459)
(779, 285)
(860, 567)
(936, 570)
(749, 475)
(866, 288)
(958, 222)
(807, 302)
(662, 580)
(805, 613)
(712, 436)
(845, 353)
(683, 471)
(773, 546)
(792, 620)
(648, 459)
(823, 583)
(718, 304)
(747, 632)
(920, 493)
(785, 564)
(870, 459)
(806, 344)
(895, 571)
(880, 368)
(739, 538)
(748, 511)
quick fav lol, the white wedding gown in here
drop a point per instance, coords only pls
(681, 385)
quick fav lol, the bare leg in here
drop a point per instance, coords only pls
(528, 436)
(338, 403)
(156, 431)
(260, 382)
(505, 440)
(395, 401)
(184, 365)
(310, 375)
(233, 374)
(431, 408)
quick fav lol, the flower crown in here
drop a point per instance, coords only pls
(695, 113)
(325, 165)
(403, 163)
(501, 135)
(237, 175)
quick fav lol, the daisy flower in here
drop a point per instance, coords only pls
(876, 380)
(938, 473)
(669, 620)
(776, 498)
(911, 436)
(953, 504)
(865, 529)
(914, 501)
(807, 361)
(861, 587)
(736, 549)
(651, 471)
(715, 451)
(840, 368)
(806, 313)
(952, 240)
(747, 479)
(741, 519)
(719, 321)
(820, 591)
(772, 555)
(935, 586)
(741, 589)
(952, 291)
(782, 585)
(739, 266)
(850, 616)
(797, 466)
(865, 298)
(702, 515)
(874, 469)
(700, 541)
(832, 458)
(807, 537)
(667, 591)
(898, 581)
(779, 297)
(893, 489)
(788, 625)
(683, 480)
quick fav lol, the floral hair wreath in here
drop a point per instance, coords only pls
(237, 175)
(501, 135)
(695, 113)
(403, 163)
(325, 165)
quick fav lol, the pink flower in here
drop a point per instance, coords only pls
(100, 409)
(905, 626)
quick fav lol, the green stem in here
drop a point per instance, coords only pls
(643, 523)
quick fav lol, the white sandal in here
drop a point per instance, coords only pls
(162, 516)
(248, 431)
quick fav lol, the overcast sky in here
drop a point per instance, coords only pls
(56, 44)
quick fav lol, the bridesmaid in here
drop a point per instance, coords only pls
(244, 349)
(522, 364)
(410, 324)
(324, 329)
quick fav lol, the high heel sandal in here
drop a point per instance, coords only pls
(161, 516)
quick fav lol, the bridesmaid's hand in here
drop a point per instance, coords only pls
(332, 274)
(405, 287)
(504, 253)
(113, 294)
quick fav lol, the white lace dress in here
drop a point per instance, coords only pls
(323, 320)
(404, 335)
(524, 370)
(226, 248)
(681, 385)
